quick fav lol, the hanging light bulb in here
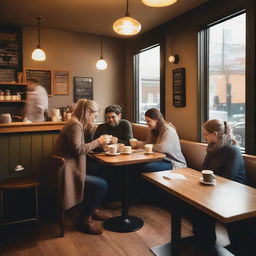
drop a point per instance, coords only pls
(101, 63)
(127, 25)
(38, 54)
(158, 3)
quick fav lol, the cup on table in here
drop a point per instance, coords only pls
(120, 147)
(148, 148)
(208, 175)
(127, 149)
(112, 149)
(133, 142)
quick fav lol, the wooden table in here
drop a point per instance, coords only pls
(227, 201)
(126, 223)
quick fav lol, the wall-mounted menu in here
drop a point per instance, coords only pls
(60, 83)
(43, 76)
(179, 87)
(11, 47)
(83, 88)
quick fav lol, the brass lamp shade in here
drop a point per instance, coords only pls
(127, 26)
(158, 3)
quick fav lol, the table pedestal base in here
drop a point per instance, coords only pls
(121, 224)
(189, 246)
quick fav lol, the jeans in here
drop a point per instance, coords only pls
(95, 190)
(154, 166)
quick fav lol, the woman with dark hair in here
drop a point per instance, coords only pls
(165, 140)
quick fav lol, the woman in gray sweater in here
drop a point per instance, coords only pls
(165, 140)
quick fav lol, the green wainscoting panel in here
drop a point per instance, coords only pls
(4, 156)
(25, 152)
(30, 149)
(14, 152)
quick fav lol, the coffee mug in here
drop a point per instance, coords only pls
(148, 148)
(127, 149)
(133, 142)
(112, 149)
(208, 175)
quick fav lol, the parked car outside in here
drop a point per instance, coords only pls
(238, 131)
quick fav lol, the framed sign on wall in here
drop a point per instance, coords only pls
(60, 83)
(179, 87)
(44, 77)
(83, 88)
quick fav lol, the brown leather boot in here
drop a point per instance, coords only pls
(89, 226)
(98, 215)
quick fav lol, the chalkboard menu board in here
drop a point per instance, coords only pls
(179, 87)
(83, 88)
(11, 47)
(43, 76)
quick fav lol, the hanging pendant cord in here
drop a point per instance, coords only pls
(101, 48)
(38, 22)
(127, 8)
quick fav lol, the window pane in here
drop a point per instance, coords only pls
(149, 81)
(227, 74)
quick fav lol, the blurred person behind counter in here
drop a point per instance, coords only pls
(36, 109)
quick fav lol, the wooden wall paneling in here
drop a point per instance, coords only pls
(55, 136)
(47, 147)
(4, 156)
(14, 153)
(25, 152)
(36, 153)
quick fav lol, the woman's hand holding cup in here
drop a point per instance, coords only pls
(114, 140)
(105, 139)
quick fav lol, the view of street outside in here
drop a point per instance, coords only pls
(227, 74)
(149, 81)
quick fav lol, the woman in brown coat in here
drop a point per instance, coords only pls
(79, 187)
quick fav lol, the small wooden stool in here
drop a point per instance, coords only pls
(17, 205)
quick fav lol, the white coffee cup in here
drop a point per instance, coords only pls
(112, 149)
(148, 148)
(133, 142)
(127, 149)
(208, 175)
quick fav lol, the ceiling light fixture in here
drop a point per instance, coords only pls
(38, 54)
(101, 63)
(127, 26)
(158, 3)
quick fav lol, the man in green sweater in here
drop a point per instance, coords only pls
(120, 129)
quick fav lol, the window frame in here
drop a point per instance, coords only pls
(136, 78)
(203, 83)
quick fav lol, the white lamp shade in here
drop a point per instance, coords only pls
(158, 3)
(101, 64)
(127, 26)
(38, 54)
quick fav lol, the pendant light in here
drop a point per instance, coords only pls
(38, 54)
(101, 63)
(158, 3)
(127, 26)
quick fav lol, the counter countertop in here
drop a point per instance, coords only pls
(31, 127)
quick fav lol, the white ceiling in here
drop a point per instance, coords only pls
(89, 16)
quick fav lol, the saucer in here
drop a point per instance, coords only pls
(18, 169)
(112, 154)
(148, 153)
(208, 183)
(126, 153)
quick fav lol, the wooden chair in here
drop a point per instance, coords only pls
(17, 184)
(56, 181)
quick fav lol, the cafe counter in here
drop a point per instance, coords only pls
(26, 144)
(30, 127)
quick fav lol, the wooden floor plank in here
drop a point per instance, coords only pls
(24, 241)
